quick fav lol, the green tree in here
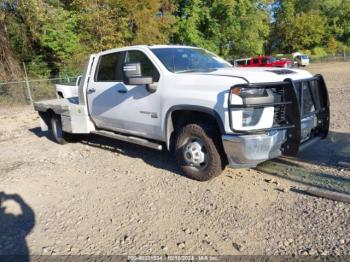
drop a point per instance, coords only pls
(293, 30)
(42, 32)
(343, 22)
(325, 21)
(59, 34)
(227, 27)
(150, 21)
(101, 24)
(9, 66)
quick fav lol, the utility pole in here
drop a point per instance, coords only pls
(29, 93)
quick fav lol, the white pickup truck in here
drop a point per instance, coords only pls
(195, 104)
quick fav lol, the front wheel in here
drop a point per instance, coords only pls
(199, 151)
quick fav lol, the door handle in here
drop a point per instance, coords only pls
(91, 90)
(122, 91)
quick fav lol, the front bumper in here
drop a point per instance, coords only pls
(244, 151)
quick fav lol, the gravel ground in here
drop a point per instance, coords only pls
(101, 196)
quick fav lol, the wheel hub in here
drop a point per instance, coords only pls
(195, 153)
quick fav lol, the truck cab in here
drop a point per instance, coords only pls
(195, 104)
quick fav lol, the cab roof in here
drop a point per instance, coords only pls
(125, 48)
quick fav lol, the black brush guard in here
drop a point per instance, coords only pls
(296, 99)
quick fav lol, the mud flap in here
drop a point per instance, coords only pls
(308, 113)
(44, 119)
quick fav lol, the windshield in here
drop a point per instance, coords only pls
(273, 59)
(304, 57)
(180, 60)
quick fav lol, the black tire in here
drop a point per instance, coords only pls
(195, 141)
(57, 132)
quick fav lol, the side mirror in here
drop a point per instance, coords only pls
(133, 75)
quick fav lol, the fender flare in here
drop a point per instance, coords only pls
(195, 108)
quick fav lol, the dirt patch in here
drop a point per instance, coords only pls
(101, 196)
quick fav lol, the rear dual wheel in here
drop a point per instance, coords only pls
(57, 132)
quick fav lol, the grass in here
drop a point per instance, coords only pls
(288, 170)
(16, 93)
(9, 100)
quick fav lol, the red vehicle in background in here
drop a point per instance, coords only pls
(263, 61)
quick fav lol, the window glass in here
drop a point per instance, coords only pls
(110, 68)
(166, 56)
(241, 62)
(179, 60)
(265, 61)
(256, 61)
(148, 69)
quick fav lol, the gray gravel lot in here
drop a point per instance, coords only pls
(101, 196)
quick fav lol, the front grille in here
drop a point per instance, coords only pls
(280, 117)
(308, 97)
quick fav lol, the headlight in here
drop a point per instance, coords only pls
(251, 116)
(250, 92)
(249, 106)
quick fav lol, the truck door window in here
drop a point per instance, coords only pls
(148, 69)
(110, 68)
(241, 62)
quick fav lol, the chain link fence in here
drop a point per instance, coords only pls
(328, 59)
(26, 92)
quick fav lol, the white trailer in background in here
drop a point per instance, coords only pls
(301, 59)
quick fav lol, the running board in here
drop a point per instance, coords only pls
(131, 139)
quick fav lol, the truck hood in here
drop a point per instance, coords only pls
(262, 74)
